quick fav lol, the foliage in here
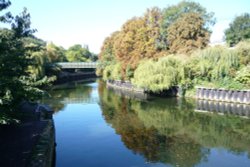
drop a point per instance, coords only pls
(215, 63)
(112, 72)
(55, 53)
(238, 30)
(151, 36)
(7, 17)
(243, 75)
(243, 51)
(159, 75)
(77, 53)
(187, 34)
(17, 83)
(172, 13)
(107, 72)
(107, 55)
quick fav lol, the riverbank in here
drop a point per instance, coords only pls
(30, 142)
(65, 76)
(127, 86)
(211, 94)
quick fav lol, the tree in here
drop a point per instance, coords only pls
(157, 76)
(7, 16)
(238, 30)
(107, 55)
(55, 53)
(138, 40)
(172, 13)
(16, 82)
(77, 53)
(187, 33)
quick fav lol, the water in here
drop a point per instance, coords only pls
(96, 127)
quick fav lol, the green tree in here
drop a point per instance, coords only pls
(187, 33)
(77, 53)
(174, 12)
(55, 53)
(16, 82)
(7, 16)
(159, 75)
(238, 30)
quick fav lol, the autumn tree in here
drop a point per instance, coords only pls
(147, 37)
(238, 30)
(138, 40)
(172, 13)
(107, 55)
(187, 33)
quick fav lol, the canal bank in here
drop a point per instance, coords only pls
(31, 142)
(64, 77)
(202, 93)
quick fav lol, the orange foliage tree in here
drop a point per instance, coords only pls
(187, 34)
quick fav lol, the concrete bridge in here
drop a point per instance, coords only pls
(78, 65)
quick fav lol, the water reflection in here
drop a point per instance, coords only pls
(223, 107)
(170, 132)
(77, 92)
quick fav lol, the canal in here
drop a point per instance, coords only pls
(97, 127)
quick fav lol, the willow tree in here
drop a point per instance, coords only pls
(159, 75)
(187, 34)
(215, 63)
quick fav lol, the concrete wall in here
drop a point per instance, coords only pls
(232, 96)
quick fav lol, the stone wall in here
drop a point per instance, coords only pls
(232, 96)
(124, 85)
(43, 153)
(43, 150)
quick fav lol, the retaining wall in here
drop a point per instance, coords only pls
(124, 85)
(231, 96)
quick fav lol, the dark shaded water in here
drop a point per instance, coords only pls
(95, 127)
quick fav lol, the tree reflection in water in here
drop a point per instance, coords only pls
(169, 131)
(72, 92)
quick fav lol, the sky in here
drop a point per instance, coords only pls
(89, 22)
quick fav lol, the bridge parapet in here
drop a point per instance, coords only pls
(77, 65)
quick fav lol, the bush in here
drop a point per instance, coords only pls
(243, 51)
(159, 75)
(243, 75)
(112, 72)
(216, 63)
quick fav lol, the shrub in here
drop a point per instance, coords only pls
(158, 75)
(243, 51)
(216, 63)
(243, 75)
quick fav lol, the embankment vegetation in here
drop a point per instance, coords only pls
(169, 47)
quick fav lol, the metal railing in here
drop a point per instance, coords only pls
(77, 65)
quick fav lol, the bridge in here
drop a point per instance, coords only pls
(80, 100)
(77, 65)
